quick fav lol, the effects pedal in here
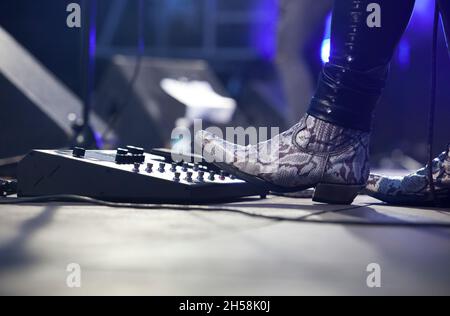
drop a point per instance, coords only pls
(127, 175)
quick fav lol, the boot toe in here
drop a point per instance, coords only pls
(381, 185)
(204, 138)
(215, 149)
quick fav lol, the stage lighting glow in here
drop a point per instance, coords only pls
(424, 6)
(326, 43)
(263, 34)
(404, 53)
(325, 50)
(200, 99)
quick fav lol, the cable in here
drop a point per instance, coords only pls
(432, 111)
(137, 70)
(177, 207)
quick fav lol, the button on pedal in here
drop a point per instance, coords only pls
(79, 152)
(135, 150)
(189, 176)
(121, 151)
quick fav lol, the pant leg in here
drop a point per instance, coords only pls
(444, 8)
(351, 83)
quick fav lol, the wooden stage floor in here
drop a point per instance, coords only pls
(163, 252)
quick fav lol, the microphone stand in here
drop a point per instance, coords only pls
(84, 134)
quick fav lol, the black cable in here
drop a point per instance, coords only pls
(136, 71)
(432, 111)
(177, 207)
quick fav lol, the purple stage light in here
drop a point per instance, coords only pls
(326, 43)
(264, 32)
(404, 53)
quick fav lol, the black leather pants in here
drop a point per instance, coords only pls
(351, 83)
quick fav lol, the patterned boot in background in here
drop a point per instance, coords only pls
(414, 189)
(312, 154)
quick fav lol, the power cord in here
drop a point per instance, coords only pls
(208, 208)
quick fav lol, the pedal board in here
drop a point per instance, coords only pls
(127, 175)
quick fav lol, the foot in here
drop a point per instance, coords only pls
(414, 189)
(313, 153)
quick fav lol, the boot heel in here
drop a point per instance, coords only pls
(336, 193)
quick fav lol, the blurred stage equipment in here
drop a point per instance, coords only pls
(260, 103)
(164, 93)
(300, 26)
(37, 110)
(85, 132)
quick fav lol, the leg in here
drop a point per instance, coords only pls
(328, 148)
(298, 22)
(351, 83)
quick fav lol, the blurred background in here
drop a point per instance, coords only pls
(147, 66)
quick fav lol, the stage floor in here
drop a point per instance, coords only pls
(161, 252)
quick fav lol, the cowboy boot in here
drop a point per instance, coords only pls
(328, 149)
(312, 154)
(414, 189)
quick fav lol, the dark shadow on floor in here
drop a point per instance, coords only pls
(373, 215)
(301, 207)
(13, 253)
(423, 253)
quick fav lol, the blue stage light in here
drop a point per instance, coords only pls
(325, 50)
(326, 43)
(404, 53)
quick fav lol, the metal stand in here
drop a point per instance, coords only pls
(85, 136)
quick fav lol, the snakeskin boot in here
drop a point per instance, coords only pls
(414, 189)
(312, 154)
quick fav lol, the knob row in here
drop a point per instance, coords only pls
(177, 175)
